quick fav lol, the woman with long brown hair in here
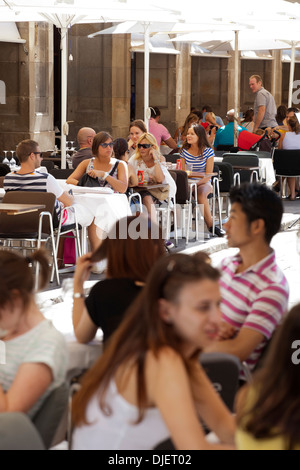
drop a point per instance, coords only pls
(182, 131)
(136, 129)
(197, 152)
(148, 384)
(129, 256)
(35, 359)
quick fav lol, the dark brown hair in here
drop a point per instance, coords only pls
(294, 124)
(202, 138)
(25, 148)
(189, 120)
(16, 275)
(248, 115)
(99, 138)
(138, 123)
(275, 410)
(143, 330)
(128, 255)
(120, 147)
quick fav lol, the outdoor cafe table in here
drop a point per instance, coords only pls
(15, 209)
(150, 186)
(106, 207)
(265, 165)
(200, 175)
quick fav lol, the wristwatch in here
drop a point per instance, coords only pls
(78, 295)
(106, 175)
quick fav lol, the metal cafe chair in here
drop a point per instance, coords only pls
(29, 230)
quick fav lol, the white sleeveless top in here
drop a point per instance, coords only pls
(291, 141)
(118, 431)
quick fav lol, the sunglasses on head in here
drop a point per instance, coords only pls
(144, 146)
(105, 145)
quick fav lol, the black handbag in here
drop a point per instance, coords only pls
(89, 182)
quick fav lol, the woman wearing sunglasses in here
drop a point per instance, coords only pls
(147, 159)
(109, 172)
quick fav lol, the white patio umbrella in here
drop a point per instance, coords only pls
(148, 29)
(242, 40)
(65, 13)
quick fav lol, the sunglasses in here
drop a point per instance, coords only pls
(105, 145)
(144, 146)
(37, 153)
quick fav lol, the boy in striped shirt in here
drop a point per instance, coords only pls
(254, 290)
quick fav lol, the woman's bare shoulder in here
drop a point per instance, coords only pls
(166, 357)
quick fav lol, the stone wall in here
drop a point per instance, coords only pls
(99, 81)
(27, 72)
(99, 84)
(162, 84)
(209, 84)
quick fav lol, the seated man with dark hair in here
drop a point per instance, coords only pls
(4, 169)
(29, 178)
(254, 290)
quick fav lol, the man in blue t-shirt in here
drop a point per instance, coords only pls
(225, 134)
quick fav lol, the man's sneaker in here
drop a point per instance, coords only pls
(219, 232)
(169, 244)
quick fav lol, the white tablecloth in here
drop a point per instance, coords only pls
(265, 165)
(56, 306)
(106, 208)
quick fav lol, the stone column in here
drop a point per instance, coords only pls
(231, 82)
(41, 64)
(183, 84)
(27, 69)
(120, 79)
(276, 83)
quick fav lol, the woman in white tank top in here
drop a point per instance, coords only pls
(291, 141)
(148, 384)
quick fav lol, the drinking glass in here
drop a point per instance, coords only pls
(5, 160)
(189, 168)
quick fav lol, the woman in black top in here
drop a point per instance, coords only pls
(131, 249)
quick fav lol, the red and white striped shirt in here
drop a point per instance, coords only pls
(256, 298)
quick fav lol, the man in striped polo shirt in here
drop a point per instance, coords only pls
(28, 178)
(254, 290)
